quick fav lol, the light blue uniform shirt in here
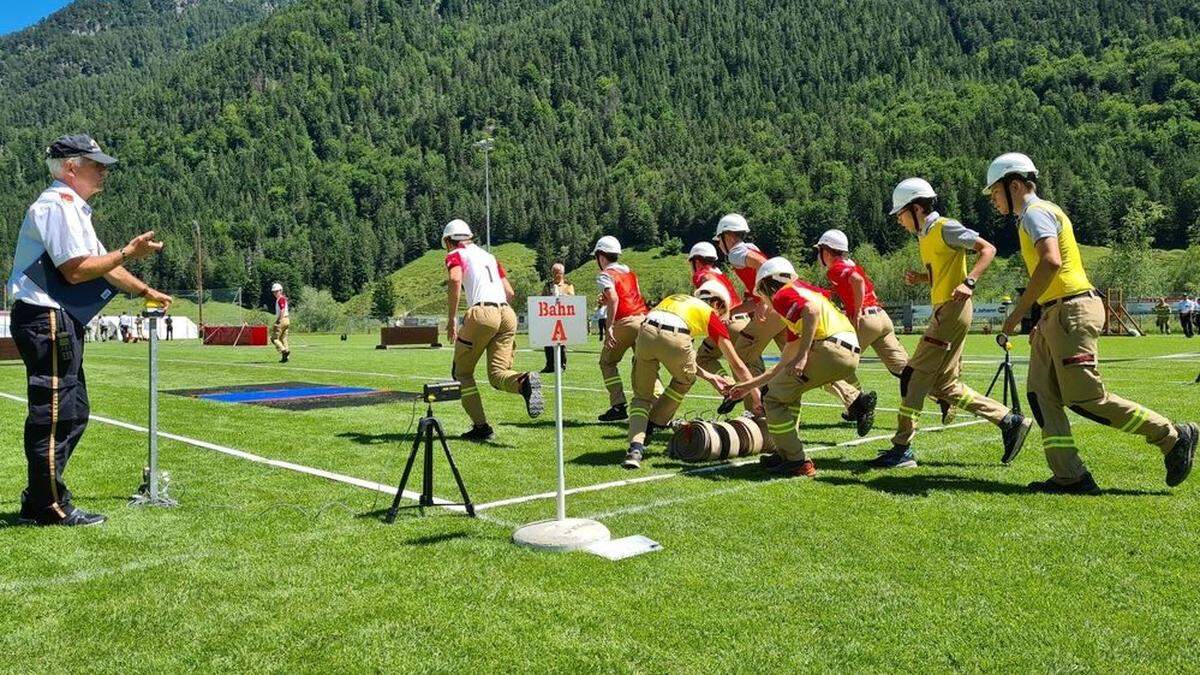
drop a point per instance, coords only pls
(58, 223)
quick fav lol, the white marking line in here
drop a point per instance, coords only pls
(258, 459)
(699, 470)
(88, 575)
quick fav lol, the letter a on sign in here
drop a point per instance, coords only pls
(560, 333)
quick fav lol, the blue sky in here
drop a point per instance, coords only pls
(17, 14)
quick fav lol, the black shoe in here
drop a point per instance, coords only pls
(633, 458)
(531, 391)
(898, 457)
(794, 467)
(726, 406)
(769, 461)
(847, 417)
(866, 417)
(614, 414)
(1179, 459)
(478, 433)
(547, 370)
(1086, 485)
(947, 412)
(283, 358)
(76, 518)
(651, 427)
(1013, 429)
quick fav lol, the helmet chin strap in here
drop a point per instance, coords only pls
(1011, 218)
(912, 211)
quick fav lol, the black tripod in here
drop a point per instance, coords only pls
(1006, 371)
(426, 428)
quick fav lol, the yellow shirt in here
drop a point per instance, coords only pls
(696, 313)
(946, 265)
(1043, 219)
(795, 296)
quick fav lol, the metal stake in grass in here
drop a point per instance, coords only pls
(149, 493)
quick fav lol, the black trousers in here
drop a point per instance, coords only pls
(550, 357)
(50, 342)
(1185, 321)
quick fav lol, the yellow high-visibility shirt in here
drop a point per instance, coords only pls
(701, 319)
(1041, 219)
(791, 299)
(946, 265)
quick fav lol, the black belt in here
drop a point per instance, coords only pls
(1091, 293)
(669, 329)
(490, 304)
(843, 343)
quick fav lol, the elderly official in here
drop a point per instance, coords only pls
(558, 286)
(49, 339)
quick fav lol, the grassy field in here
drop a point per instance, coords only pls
(947, 567)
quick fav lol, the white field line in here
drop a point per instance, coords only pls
(90, 574)
(697, 471)
(258, 459)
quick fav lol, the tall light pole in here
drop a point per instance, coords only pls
(486, 145)
(199, 276)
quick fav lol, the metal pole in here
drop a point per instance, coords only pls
(153, 423)
(487, 193)
(558, 428)
(199, 278)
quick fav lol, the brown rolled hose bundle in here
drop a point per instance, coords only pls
(703, 441)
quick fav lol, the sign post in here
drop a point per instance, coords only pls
(556, 321)
(152, 492)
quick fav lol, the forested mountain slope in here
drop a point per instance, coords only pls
(329, 141)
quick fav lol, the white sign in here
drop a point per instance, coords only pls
(557, 320)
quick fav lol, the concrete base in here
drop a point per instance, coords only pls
(561, 535)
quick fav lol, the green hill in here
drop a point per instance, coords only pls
(420, 285)
(333, 138)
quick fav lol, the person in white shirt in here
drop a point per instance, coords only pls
(279, 332)
(50, 340)
(1187, 316)
(489, 325)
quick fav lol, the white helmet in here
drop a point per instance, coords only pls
(777, 268)
(703, 250)
(1006, 165)
(732, 222)
(458, 230)
(276, 287)
(834, 239)
(713, 288)
(908, 191)
(607, 244)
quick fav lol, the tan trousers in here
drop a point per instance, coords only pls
(657, 347)
(877, 332)
(279, 335)
(1063, 373)
(934, 371)
(754, 337)
(490, 329)
(827, 362)
(709, 356)
(625, 332)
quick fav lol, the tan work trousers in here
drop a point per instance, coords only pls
(490, 329)
(279, 335)
(934, 371)
(625, 332)
(827, 362)
(1063, 373)
(877, 332)
(659, 347)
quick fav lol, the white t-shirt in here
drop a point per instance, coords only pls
(58, 223)
(482, 275)
(737, 254)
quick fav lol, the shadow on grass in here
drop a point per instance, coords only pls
(548, 423)
(406, 440)
(11, 520)
(924, 485)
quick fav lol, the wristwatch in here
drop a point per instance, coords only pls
(970, 283)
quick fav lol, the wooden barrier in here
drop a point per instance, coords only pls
(391, 336)
(8, 350)
(251, 336)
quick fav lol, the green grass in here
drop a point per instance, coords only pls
(951, 566)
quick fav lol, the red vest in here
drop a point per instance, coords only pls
(629, 295)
